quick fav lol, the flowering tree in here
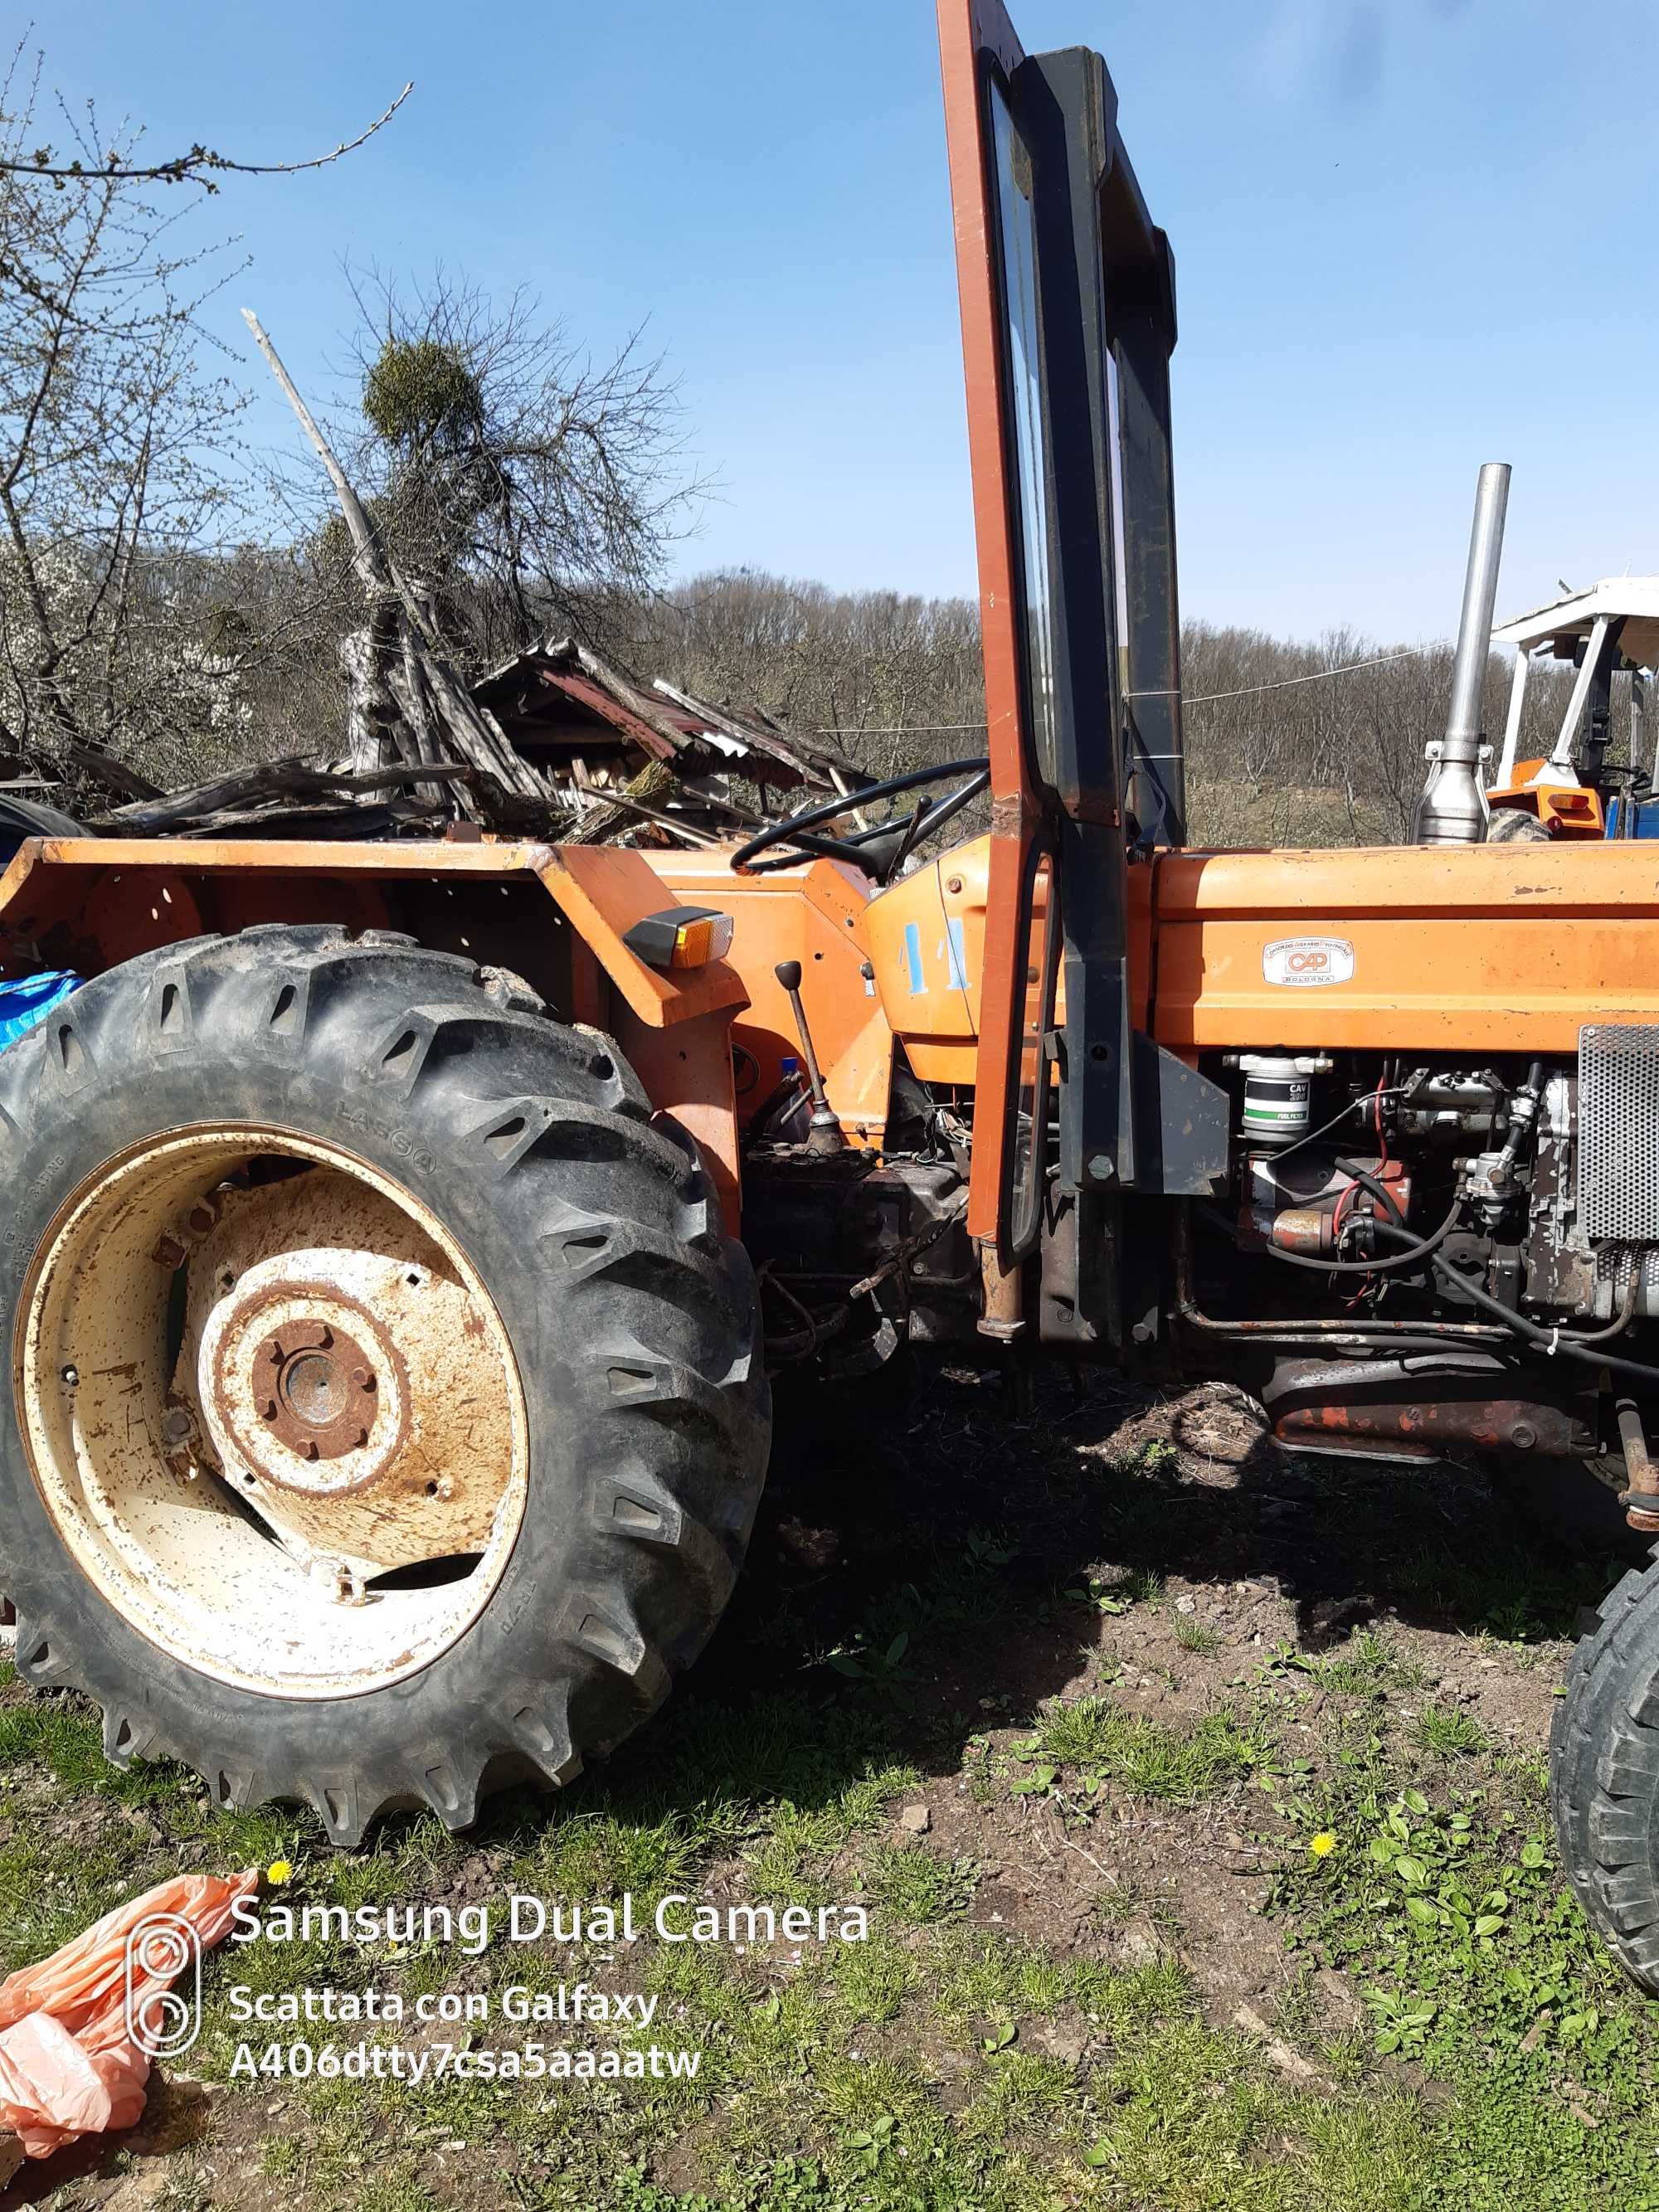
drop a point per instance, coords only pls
(122, 479)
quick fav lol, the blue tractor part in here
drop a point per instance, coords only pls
(30, 999)
(1644, 822)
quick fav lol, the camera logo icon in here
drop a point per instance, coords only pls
(163, 2021)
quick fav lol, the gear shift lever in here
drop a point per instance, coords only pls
(824, 1134)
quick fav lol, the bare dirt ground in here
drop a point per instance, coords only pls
(1272, 1559)
(1178, 1777)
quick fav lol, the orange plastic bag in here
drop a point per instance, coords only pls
(69, 2063)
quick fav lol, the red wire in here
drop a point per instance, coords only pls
(1353, 1189)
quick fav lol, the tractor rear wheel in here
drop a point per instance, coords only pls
(1604, 1775)
(1514, 825)
(388, 1418)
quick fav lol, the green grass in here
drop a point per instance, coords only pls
(1196, 1636)
(948, 2063)
(64, 1734)
(1446, 1733)
(917, 1887)
(1149, 1757)
(1446, 1907)
(1148, 2105)
(51, 1891)
(1366, 1667)
(1517, 1598)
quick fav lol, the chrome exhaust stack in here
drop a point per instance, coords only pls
(1453, 809)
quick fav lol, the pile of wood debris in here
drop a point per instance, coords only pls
(556, 744)
(580, 754)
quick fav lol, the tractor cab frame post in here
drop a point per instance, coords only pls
(1068, 317)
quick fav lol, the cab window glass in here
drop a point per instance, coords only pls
(1022, 353)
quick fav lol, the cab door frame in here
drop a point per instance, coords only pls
(1067, 334)
(976, 39)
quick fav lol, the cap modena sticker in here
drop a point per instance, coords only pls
(1302, 961)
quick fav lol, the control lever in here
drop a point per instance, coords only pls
(823, 1134)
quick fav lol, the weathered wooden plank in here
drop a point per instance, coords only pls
(289, 778)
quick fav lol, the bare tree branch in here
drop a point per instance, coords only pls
(186, 168)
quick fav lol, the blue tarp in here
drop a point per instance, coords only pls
(31, 998)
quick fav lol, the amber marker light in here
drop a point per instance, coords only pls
(681, 937)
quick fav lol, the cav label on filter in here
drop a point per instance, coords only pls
(1301, 961)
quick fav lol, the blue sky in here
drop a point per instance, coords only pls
(1410, 236)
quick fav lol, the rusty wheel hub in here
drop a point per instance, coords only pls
(323, 1397)
(292, 1380)
(346, 1388)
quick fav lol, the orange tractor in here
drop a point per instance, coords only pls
(401, 1235)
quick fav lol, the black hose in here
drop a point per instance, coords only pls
(1365, 1098)
(1415, 1250)
(1368, 1181)
(1563, 1335)
(1549, 1340)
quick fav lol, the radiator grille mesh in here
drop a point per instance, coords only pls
(1619, 1134)
(1614, 1265)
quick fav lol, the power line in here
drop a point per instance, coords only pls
(1314, 676)
(1201, 699)
(897, 729)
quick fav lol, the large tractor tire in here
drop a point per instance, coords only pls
(389, 1415)
(1604, 1775)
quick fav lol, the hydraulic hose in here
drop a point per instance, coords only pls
(1368, 1181)
(1551, 1342)
(1411, 1248)
(1616, 1327)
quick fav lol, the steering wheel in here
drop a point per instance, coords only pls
(879, 852)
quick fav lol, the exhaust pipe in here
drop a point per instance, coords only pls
(1453, 809)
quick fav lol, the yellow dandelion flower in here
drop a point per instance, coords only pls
(278, 1870)
(1322, 1844)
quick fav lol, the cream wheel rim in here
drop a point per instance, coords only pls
(272, 1410)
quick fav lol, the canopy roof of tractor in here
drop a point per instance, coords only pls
(1565, 623)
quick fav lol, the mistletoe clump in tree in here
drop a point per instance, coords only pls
(523, 485)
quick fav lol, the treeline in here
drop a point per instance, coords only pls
(1321, 742)
(897, 677)
(1316, 742)
(1288, 742)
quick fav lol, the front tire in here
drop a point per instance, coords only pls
(1604, 1775)
(471, 1530)
(1514, 825)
